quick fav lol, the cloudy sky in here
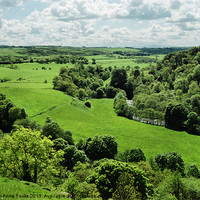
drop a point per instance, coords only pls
(114, 23)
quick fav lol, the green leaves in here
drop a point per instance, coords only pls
(27, 155)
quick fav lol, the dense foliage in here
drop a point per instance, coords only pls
(9, 113)
(166, 91)
(27, 155)
(82, 82)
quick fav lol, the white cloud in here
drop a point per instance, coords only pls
(106, 23)
(175, 4)
(10, 3)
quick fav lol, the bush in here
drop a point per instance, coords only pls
(88, 104)
(72, 155)
(101, 147)
(193, 171)
(171, 160)
(132, 155)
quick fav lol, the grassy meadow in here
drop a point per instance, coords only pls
(15, 189)
(40, 100)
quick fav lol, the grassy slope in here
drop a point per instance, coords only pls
(101, 119)
(15, 189)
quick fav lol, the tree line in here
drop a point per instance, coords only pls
(167, 91)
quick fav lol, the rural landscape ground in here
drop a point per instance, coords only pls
(29, 85)
(40, 100)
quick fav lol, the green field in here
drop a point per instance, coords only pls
(15, 189)
(40, 100)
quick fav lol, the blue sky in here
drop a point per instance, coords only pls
(114, 23)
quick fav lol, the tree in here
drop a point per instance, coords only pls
(196, 73)
(82, 94)
(171, 160)
(175, 116)
(101, 147)
(193, 123)
(72, 155)
(52, 129)
(106, 178)
(111, 92)
(195, 102)
(27, 123)
(93, 61)
(59, 143)
(193, 171)
(119, 78)
(120, 95)
(133, 155)
(126, 189)
(27, 155)
(100, 92)
(193, 88)
(121, 107)
(181, 84)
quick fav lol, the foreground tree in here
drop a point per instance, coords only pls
(107, 179)
(27, 155)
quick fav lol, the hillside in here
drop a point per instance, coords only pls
(100, 119)
(15, 189)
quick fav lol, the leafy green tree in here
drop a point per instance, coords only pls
(171, 160)
(175, 116)
(193, 88)
(121, 107)
(9, 114)
(195, 102)
(72, 155)
(106, 178)
(126, 189)
(196, 73)
(135, 155)
(52, 129)
(27, 155)
(82, 94)
(129, 87)
(80, 190)
(119, 78)
(181, 84)
(120, 95)
(93, 61)
(193, 171)
(111, 92)
(197, 58)
(101, 147)
(193, 123)
(100, 93)
(59, 143)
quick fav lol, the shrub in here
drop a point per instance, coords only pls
(193, 171)
(171, 160)
(88, 104)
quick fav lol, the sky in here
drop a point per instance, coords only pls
(97, 23)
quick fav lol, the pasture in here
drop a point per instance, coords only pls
(27, 89)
